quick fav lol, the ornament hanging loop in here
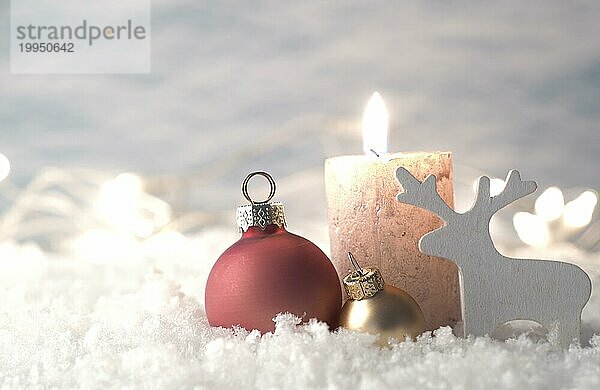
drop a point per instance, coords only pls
(355, 264)
(271, 184)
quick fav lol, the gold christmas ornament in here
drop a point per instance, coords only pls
(377, 308)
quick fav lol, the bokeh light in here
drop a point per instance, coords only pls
(4, 167)
(578, 212)
(550, 204)
(532, 229)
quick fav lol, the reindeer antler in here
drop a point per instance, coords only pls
(514, 189)
(423, 195)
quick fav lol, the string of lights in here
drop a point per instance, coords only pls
(59, 204)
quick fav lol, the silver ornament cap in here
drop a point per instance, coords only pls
(263, 213)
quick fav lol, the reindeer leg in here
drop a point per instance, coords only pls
(477, 323)
(479, 313)
(478, 328)
(567, 332)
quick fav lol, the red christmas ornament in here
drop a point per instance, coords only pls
(270, 271)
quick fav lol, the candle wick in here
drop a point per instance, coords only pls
(355, 263)
(374, 152)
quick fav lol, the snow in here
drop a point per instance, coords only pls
(136, 320)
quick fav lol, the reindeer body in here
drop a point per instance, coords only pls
(496, 289)
(551, 293)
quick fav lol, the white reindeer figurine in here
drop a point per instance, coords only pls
(496, 289)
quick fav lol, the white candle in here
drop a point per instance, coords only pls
(365, 218)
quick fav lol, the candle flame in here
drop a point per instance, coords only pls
(375, 126)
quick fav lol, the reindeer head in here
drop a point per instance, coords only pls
(470, 229)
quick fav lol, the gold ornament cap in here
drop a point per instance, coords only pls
(263, 213)
(362, 283)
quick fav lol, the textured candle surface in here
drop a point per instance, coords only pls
(366, 219)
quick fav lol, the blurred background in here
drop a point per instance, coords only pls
(242, 86)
